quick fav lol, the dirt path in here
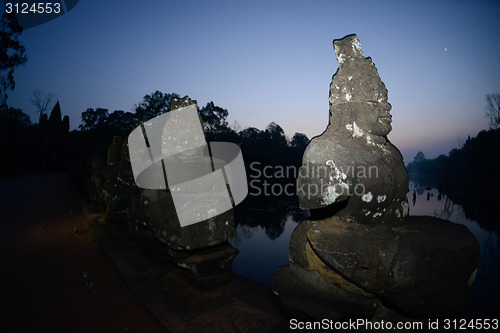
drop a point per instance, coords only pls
(43, 263)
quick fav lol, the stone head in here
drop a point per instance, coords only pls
(357, 94)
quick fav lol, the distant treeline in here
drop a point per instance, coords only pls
(469, 168)
(27, 147)
(468, 175)
(267, 147)
(49, 146)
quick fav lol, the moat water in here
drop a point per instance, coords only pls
(263, 236)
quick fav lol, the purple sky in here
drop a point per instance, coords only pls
(273, 61)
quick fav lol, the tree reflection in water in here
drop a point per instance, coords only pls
(486, 288)
(264, 229)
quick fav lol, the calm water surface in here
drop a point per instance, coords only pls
(263, 237)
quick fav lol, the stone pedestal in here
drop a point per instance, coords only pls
(201, 249)
(423, 267)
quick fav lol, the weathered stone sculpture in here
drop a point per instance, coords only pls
(201, 250)
(353, 159)
(362, 255)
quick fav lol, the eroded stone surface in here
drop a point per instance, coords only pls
(196, 247)
(360, 254)
(161, 217)
(353, 159)
(425, 266)
(422, 266)
(433, 268)
(363, 255)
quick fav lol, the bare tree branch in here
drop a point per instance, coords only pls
(42, 101)
(493, 110)
(236, 126)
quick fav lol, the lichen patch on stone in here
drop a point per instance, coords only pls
(336, 185)
(357, 132)
(340, 59)
(406, 208)
(356, 47)
(367, 197)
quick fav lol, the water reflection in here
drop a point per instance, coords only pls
(263, 236)
(263, 232)
(486, 288)
(270, 216)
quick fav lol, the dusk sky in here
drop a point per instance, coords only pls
(272, 61)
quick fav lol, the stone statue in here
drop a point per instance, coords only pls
(360, 254)
(200, 251)
(353, 160)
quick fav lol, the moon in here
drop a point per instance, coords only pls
(445, 49)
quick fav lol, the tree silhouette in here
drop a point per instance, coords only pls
(276, 144)
(153, 105)
(493, 110)
(214, 118)
(11, 53)
(269, 148)
(249, 134)
(467, 175)
(276, 134)
(53, 141)
(12, 118)
(298, 145)
(121, 122)
(16, 141)
(420, 157)
(92, 119)
(42, 101)
(299, 141)
(55, 115)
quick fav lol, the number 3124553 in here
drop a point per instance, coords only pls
(36, 8)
